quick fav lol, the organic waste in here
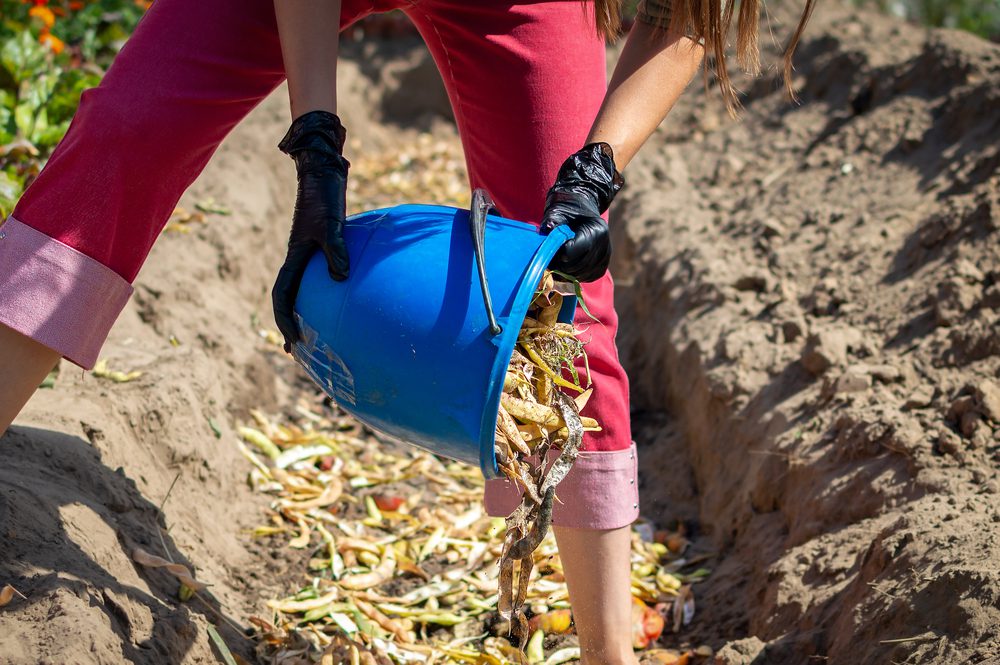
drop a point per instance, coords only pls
(535, 417)
(402, 562)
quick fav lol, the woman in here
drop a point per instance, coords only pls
(526, 81)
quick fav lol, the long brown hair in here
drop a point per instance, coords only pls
(711, 21)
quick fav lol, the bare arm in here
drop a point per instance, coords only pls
(310, 38)
(654, 68)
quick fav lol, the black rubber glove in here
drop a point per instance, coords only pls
(315, 141)
(586, 184)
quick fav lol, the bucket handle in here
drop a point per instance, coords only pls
(482, 203)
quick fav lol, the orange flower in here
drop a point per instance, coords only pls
(75, 5)
(44, 14)
(52, 42)
(143, 4)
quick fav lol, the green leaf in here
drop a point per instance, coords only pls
(10, 192)
(579, 292)
(24, 118)
(23, 57)
(38, 91)
(90, 45)
(66, 97)
(227, 655)
(40, 126)
(113, 36)
(50, 135)
(7, 128)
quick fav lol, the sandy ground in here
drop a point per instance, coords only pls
(812, 297)
(89, 461)
(810, 301)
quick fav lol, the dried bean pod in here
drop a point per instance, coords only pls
(524, 547)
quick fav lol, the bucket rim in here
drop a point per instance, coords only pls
(508, 339)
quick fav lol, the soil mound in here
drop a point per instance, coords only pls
(812, 294)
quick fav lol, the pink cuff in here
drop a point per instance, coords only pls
(599, 492)
(56, 295)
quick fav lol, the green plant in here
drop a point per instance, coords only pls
(50, 52)
(981, 17)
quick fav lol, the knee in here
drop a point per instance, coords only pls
(116, 118)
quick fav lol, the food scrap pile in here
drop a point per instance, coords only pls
(403, 562)
(536, 417)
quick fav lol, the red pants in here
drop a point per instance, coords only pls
(525, 81)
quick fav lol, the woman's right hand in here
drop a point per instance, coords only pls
(315, 141)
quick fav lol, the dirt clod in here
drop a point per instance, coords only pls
(740, 652)
(828, 348)
(988, 398)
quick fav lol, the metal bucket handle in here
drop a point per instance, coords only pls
(482, 204)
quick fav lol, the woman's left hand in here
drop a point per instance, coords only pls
(586, 184)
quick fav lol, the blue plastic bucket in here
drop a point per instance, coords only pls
(405, 344)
